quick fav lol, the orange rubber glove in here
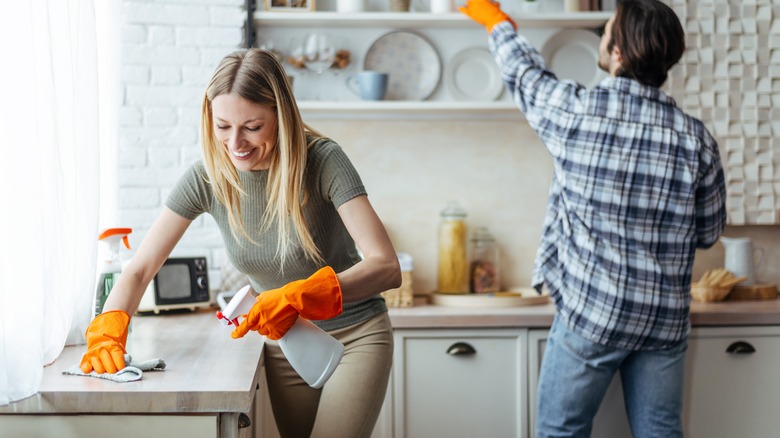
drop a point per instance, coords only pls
(486, 13)
(106, 340)
(276, 310)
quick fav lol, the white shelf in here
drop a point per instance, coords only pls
(396, 108)
(364, 23)
(419, 19)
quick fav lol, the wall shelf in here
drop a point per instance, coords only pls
(418, 19)
(448, 31)
(403, 109)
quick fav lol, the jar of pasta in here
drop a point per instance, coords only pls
(453, 262)
(483, 271)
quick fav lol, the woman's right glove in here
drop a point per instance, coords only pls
(276, 310)
(106, 340)
(485, 12)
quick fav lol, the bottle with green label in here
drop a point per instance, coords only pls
(111, 266)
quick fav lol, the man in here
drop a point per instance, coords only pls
(638, 186)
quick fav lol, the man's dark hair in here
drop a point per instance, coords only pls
(650, 38)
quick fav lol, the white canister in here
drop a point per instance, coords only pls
(441, 6)
(571, 5)
(350, 5)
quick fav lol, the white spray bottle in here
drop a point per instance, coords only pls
(313, 353)
(111, 265)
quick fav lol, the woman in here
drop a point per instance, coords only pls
(290, 207)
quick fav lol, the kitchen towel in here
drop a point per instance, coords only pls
(131, 372)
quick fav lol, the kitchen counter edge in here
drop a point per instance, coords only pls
(718, 314)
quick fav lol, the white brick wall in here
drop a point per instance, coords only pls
(169, 51)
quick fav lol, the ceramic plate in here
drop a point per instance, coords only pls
(498, 299)
(412, 63)
(473, 75)
(574, 54)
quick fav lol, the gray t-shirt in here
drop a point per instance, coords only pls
(330, 180)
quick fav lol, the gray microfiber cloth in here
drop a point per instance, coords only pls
(133, 370)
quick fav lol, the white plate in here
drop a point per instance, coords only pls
(412, 63)
(473, 75)
(574, 54)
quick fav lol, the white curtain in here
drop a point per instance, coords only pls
(52, 111)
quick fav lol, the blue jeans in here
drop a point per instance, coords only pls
(576, 373)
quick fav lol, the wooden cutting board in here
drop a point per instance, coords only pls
(758, 291)
(498, 299)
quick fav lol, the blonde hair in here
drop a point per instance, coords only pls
(257, 76)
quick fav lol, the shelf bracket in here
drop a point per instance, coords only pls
(249, 24)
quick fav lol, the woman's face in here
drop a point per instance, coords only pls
(247, 131)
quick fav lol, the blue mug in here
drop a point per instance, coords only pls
(369, 85)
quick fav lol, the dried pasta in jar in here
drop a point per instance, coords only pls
(453, 273)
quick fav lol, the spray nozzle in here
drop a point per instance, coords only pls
(112, 235)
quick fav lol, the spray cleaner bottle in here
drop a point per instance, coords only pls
(111, 266)
(312, 352)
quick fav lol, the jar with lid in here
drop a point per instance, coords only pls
(484, 267)
(453, 271)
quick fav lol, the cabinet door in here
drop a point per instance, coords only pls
(460, 383)
(736, 393)
(610, 421)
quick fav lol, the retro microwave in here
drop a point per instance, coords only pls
(181, 283)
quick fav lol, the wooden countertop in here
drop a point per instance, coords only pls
(725, 313)
(206, 371)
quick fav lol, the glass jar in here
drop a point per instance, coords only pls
(453, 262)
(484, 267)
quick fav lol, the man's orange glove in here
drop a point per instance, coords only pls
(486, 13)
(276, 310)
(106, 340)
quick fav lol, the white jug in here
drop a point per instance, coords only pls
(741, 257)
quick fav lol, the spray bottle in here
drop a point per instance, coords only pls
(312, 352)
(111, 266)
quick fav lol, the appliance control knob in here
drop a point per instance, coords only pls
(201, 282)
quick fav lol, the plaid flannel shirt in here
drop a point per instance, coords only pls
(637, 187)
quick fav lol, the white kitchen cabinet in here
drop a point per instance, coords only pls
(729, 390)
(460, 383)
(731, 385)
(450, 33)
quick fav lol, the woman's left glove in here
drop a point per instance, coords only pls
(106, 340)
(276, 310)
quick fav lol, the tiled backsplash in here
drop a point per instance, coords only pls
(730, 78)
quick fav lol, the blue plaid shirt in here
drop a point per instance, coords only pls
(637, 187)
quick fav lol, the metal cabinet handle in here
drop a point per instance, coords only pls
(244, 421)
(740, 347)
(461, 349)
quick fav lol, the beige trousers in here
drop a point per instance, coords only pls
(349, 403)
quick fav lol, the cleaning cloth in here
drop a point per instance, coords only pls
(134, 370)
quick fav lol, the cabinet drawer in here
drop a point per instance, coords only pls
(460, 383)
(732, 387)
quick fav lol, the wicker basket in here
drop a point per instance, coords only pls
(402, 296)
(708, 294)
